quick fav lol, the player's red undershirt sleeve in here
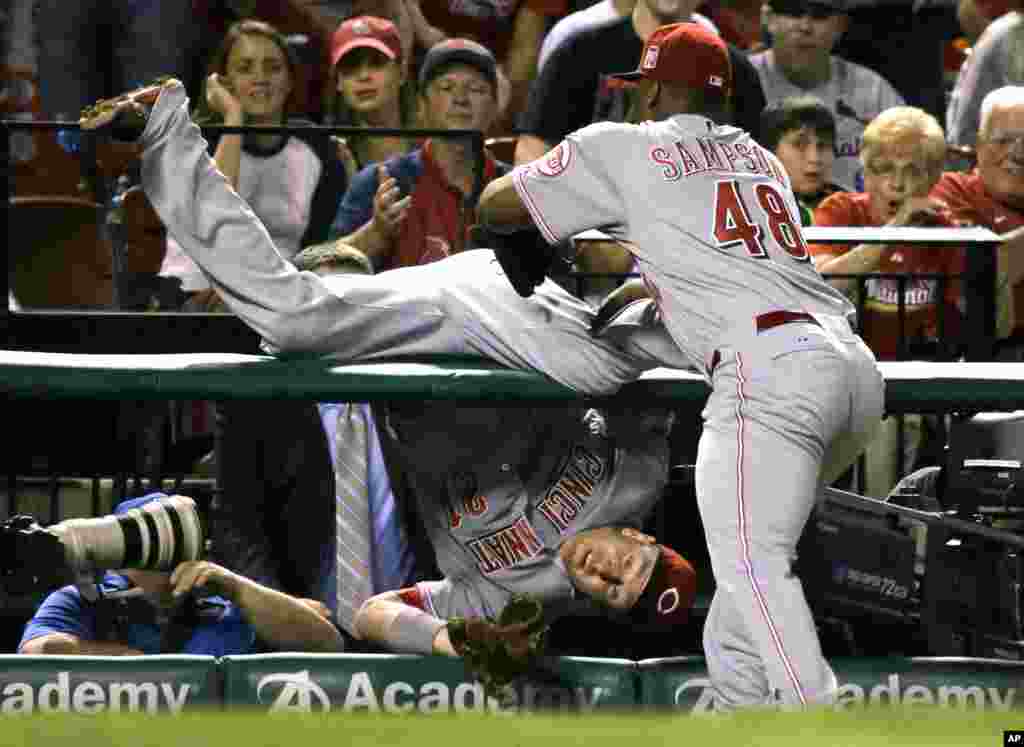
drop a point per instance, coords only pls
(414, 598)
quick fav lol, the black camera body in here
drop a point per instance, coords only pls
(950, 579)
(31, 559)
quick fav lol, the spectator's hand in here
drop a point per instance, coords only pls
(221, 99)
(918, 211)
(318, 607)
(212, 579)
(426, 35)
(345, 155)
(504, 93)
(389, 207)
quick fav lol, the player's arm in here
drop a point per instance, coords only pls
(399, 624)
(530, 148)
(501, 206)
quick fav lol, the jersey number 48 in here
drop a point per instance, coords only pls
(735, 225)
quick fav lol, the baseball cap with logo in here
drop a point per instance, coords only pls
(669, 594)
(366, 32)
(465, 51)
(685, 54)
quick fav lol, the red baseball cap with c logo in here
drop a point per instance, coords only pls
(685, 54)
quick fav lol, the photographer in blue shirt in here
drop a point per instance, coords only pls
(198, 608)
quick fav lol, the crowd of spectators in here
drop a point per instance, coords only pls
(924, 125)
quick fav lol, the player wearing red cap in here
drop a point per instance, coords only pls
(712, 221)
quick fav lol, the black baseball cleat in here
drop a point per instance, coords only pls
(130, 122)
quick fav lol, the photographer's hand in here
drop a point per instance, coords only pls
(281, 620)
(211, 578)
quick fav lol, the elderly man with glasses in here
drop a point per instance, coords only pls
(992, 194)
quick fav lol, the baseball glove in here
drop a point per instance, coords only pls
(498, 652)
(523, 254)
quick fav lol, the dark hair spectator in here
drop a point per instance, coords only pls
(801, 131)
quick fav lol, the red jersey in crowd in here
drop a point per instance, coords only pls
(967, 199)
(880, 324)
(971, 204)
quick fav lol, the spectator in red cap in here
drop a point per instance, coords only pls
(368, 87)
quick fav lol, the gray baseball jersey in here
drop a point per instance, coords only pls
(795, 393)
(462, 305)
(855, 95)
(709, 211)
(501, 489)
(997, 60)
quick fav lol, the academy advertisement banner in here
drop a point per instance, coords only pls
(311, 683)
(110, 684)
(957, 683)
(406, 684)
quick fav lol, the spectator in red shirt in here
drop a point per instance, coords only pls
(992, 195)
(417, 207)
(903, 154)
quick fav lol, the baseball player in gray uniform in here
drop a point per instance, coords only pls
(462, 305)
(714, 226)
(546, 502)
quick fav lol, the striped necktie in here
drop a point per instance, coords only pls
(352, 511)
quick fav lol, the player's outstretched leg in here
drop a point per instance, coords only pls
(460, 305)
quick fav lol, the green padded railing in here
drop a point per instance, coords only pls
(911, 386)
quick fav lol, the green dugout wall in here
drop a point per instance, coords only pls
(315, 683)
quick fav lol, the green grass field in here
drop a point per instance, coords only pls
(217, 729)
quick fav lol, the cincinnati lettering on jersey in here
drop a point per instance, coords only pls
(705, 154)
(507, 546)
(570, 493)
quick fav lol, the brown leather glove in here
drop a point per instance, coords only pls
(498, 652)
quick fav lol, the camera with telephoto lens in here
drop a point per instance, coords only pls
(158, 535)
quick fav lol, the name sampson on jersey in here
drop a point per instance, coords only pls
(562, 503)
(714, 156)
